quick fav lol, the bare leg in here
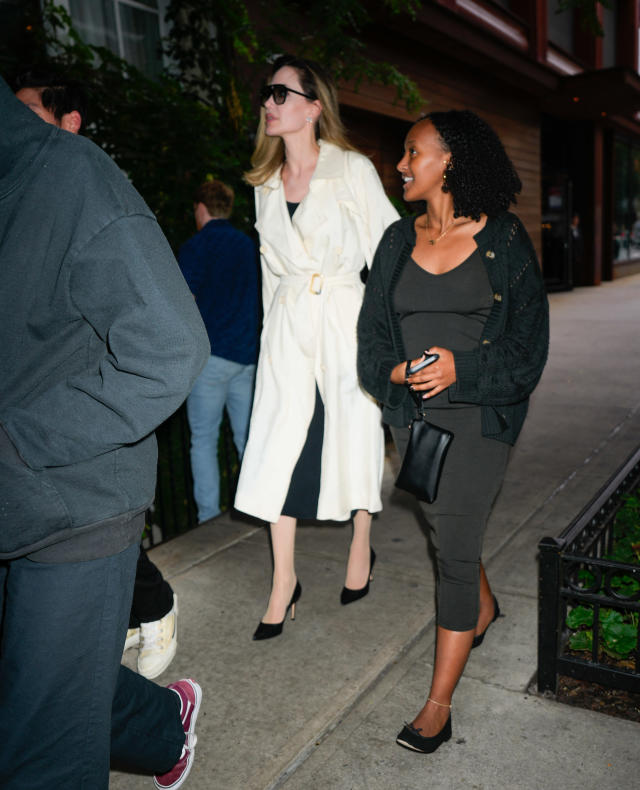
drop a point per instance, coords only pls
(452, 651)
(283, 537)
(487, 607)
(359, 553)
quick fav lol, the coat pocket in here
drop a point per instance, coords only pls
(31, 509)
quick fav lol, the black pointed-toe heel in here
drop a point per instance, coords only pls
(269, 630)
(477, 640)
(410, 738)
(348, 595)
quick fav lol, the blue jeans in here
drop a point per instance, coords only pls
(66, 704)
(221, 383)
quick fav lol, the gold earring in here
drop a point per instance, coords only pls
(445, 186)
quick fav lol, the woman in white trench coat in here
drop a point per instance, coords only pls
(321, 211)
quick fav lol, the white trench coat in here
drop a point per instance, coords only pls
(312, 294)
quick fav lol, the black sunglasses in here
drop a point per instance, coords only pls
(279, 93)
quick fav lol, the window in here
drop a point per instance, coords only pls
(560, 26)
(609, 23)
(12, 15)
(130, 28)
(626, 214)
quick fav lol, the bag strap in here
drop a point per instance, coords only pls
(417, 398)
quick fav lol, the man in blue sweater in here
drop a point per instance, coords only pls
(219, 264)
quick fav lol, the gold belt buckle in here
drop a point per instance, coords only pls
(313, 287)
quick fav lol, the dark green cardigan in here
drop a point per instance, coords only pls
(502, 371)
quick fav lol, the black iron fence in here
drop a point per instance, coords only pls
(576, 579)
(174, 510)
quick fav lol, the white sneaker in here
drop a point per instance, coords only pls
(158, 643)
(133, 638)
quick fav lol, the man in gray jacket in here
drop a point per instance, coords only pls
(153, 622)
(100, 341)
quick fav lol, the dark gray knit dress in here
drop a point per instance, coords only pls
(450, 310)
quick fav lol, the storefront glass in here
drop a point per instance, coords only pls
(626, 217)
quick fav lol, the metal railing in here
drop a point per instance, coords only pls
(564, 565)
(174, 510)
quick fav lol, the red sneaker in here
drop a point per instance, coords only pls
(190, 695)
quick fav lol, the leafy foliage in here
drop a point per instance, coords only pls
(618, 630)
(341, 48)
(197, 121)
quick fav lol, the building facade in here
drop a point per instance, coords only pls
(565, 102)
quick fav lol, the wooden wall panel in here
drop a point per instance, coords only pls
(378, 123)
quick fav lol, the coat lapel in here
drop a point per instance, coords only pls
(294, 239)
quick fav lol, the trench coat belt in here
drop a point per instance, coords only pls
(318, 281)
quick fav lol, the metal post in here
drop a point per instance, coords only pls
(549, 626)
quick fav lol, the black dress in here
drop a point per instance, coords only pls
(304, 488)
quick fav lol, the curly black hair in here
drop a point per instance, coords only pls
(480, 175)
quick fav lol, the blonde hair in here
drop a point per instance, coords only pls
(269, 151)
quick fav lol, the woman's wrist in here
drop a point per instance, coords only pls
(398, 373)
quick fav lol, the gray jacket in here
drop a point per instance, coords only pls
(100, 339)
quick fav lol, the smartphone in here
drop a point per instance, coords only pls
(430, 359)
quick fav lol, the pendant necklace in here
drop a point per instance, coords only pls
(444, 232)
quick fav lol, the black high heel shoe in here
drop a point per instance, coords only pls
(269, 630)
(410, 737)
(348, 595)
(477, 640)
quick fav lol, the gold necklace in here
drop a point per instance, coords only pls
(444, 232)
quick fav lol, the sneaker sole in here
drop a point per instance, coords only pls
(171, 652)
(197, 689)
(158, 670)
(193, 738)
(132, 641)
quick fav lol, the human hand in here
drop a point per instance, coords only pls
(397, 375)
(435, 377)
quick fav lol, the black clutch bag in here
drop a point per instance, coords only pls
(424, 458)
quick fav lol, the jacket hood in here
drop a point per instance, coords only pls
(22, 136)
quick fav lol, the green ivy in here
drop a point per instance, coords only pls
(618, 630)
(198, 120)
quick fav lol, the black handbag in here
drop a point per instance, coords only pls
(424, 456)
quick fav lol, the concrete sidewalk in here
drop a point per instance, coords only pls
(319, 707)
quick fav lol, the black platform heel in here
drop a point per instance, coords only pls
(348, 595)
(477, 640)
(269, 630)
(409, 737)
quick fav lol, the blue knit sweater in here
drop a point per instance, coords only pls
(502, 371)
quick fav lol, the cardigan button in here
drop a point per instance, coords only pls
(497, 297)
(263, 249)
(490, 254)
(486, 342)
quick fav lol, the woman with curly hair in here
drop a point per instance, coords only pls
(460, 281)
(316, 444)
